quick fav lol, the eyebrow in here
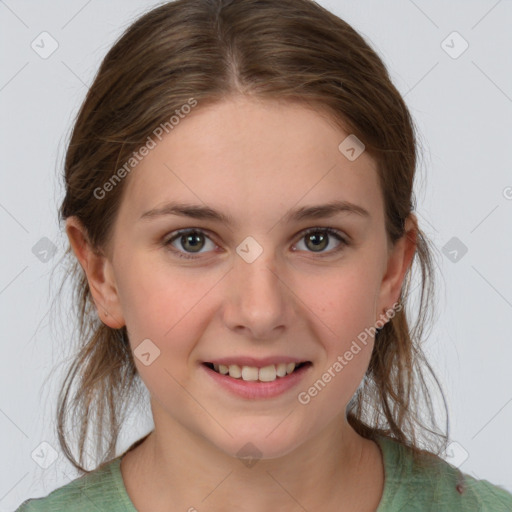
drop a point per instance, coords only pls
(200, 212)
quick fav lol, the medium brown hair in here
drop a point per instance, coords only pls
(210, 50)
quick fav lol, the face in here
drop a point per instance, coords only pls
(263, 285)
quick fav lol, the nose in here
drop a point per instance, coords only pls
(258, 300)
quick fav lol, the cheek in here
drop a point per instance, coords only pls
(343, 304)
(165, 305)
(342, 300)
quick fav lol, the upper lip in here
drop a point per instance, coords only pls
(254, 361)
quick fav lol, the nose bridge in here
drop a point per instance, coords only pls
(259, 297)
(256, 272)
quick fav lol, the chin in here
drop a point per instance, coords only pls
(259, 439)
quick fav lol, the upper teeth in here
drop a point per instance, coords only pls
(265, 374)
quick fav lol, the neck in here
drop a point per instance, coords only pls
(337, 469)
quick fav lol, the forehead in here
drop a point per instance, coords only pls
(254, 160)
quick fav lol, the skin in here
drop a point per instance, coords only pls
(253, 160)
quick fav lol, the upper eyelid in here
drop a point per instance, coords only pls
(179, 232)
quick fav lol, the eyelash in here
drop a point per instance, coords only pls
(330, 231)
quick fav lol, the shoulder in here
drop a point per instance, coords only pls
(452, 490)
(434, 484)
(490, 497)
(98, 490)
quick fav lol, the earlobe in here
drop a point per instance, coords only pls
(98, 270)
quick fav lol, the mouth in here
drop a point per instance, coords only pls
(268, 373)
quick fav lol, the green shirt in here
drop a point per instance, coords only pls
(407, 488)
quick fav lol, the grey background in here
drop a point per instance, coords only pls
(462, 107)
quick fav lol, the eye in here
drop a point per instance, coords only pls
(189, 239)
(193, 240)
(319, 238)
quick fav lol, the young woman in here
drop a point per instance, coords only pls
(239, 206)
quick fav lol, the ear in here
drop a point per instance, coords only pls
(399, 259)
(100, 276)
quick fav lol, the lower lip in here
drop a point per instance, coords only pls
(257, 389)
